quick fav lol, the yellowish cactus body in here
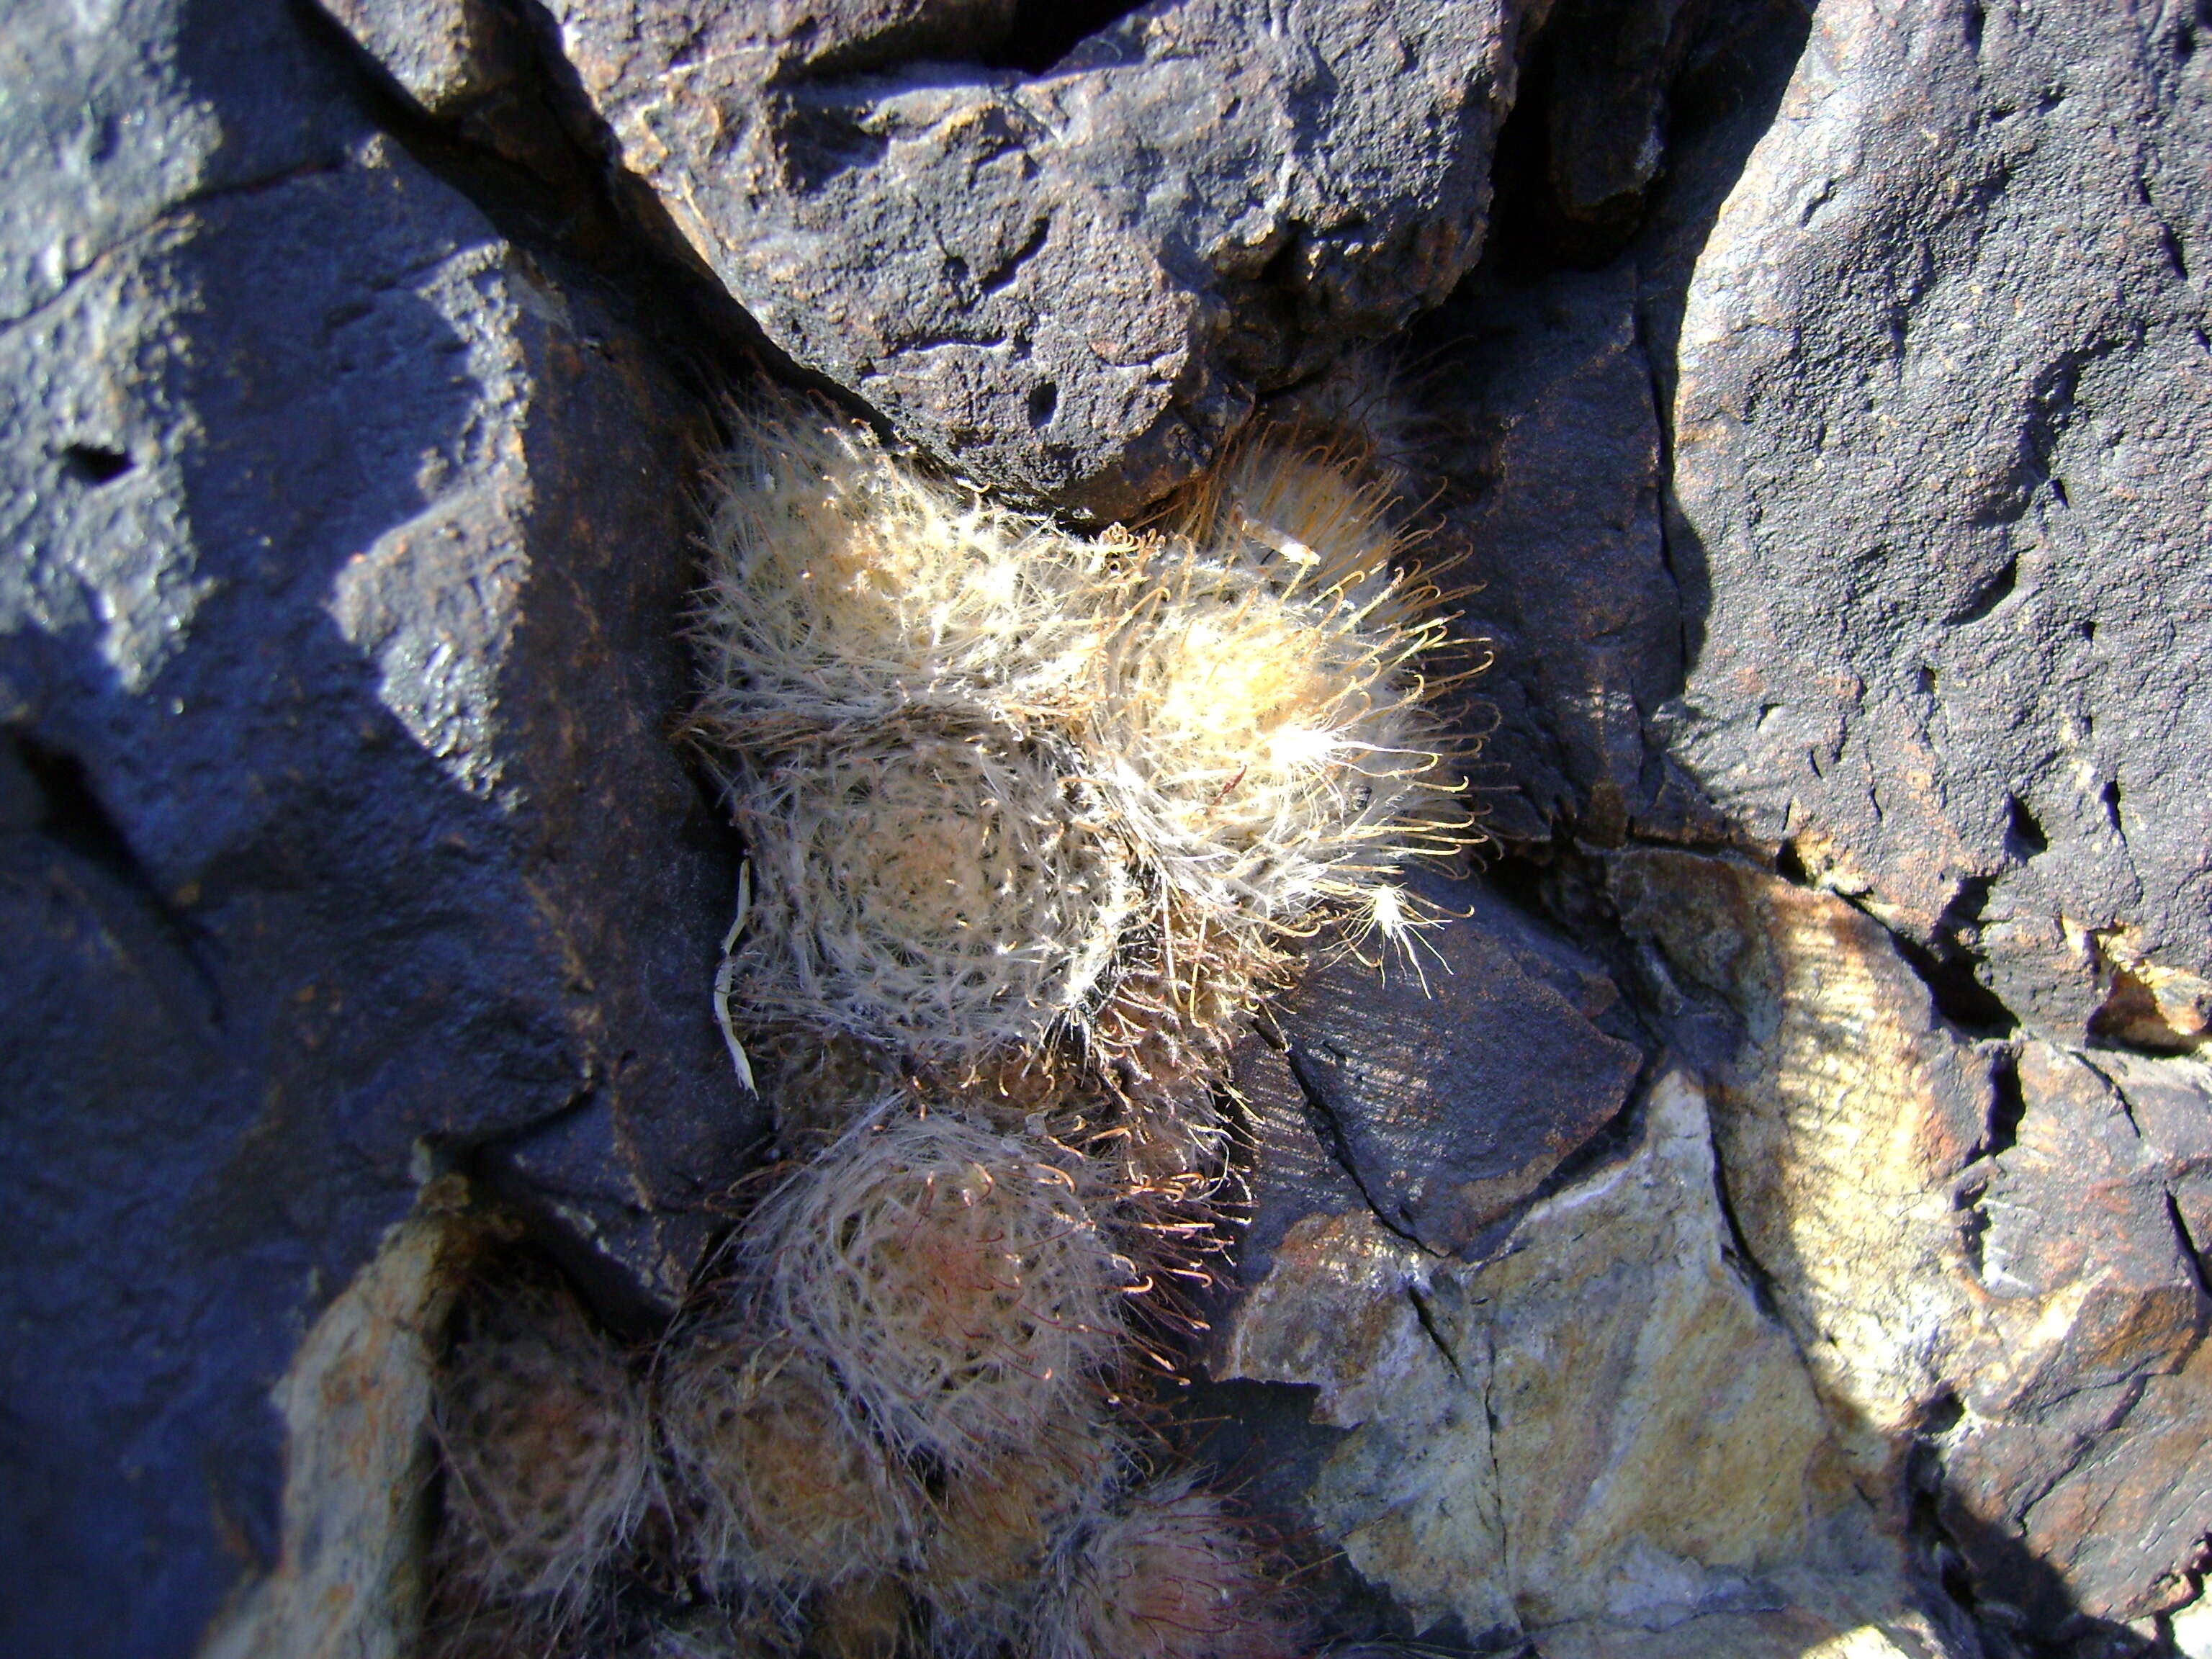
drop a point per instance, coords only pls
(979, 758)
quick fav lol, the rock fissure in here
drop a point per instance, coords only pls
(1330, 1131)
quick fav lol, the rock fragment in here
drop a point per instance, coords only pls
(1942, 491)
(1070, 283)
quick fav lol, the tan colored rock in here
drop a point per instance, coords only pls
(2046, 1288)
(1596, 1427)
(1596, 1423)
(2147, 1003)
(1841, 1120)
(2192, 1631)
(2081, 1455)
(358, 1458)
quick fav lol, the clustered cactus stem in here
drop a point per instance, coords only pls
(1034, 819)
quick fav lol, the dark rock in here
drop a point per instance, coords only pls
(446, 55)
(1943, 379)
(1451, 1092)
(1071, 284)
(1292, 1170)
(1604, 70)
(2169, 1102)
(338, 665)
(1542, 396)
(1545, 421)
(471, 68)
(2079, 1200)
(2070, 1484)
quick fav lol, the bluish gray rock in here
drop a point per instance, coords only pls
(342, 835)
(1943, 494)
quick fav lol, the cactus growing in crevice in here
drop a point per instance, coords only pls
(948, 897)
(979, 760)
(778, 1492)
(1035, 820)
(951, 1277)
(1165, 1572)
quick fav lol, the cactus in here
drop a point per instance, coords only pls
(1166, 1573)
(842, 587)
(950, 1276)
(1265, 735)
(547, 1455)
(780, 1491)
(973, 753)
(1034, 821)
(949, 898)
(995, 1525)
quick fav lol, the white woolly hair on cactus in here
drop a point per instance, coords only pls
(779, 1491)
(844, 586)
(547, 1453)
(1265, 734)
(946, 897)
(1161, 1038)
(951, 1277)
(1166, 1573)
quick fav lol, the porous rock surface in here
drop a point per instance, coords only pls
(1071, 279)
(1940, 491)
(1773, 1231)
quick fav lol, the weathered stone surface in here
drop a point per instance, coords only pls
(359, 1466)
(2169, 1103)
(1843, 1115)
(445, 54)
(1071, 284)
(1454, 1088)
(2034, 1305)
(1547, 431)
(1538, 396)
(2075, 1478)
(1937, 437)
(1604, 69)
(1825, 1616)
(2073, 1219)
(1594, 1430)
(346, 544)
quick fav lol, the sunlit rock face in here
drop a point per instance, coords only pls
(1069, 278)
(1594, 1430)
(1942, 500)
(1777, 1228)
